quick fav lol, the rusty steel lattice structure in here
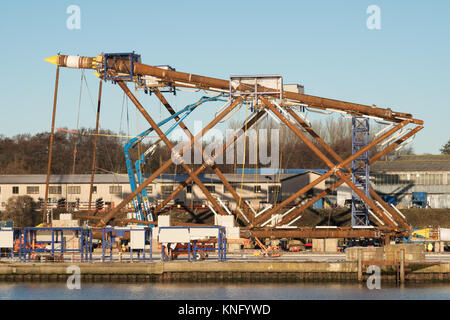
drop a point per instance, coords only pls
(266, 95)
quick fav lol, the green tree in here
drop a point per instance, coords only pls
(22, 211)
(446, 148)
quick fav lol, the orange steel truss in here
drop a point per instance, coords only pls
(279, 104)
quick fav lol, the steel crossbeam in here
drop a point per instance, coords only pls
(330, 164)
(334, 169)
(300, 209)
(339, 159)
(209, 161)
(165, 165)
(225, 146)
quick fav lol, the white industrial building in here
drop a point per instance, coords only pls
(407, 174)
(113, 188)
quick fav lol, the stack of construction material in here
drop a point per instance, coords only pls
(325, 245)
(232, 232)
(413, 252)
(367, 253)
(65, 221)
(318, 245)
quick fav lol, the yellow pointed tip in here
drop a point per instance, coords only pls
(97, 74)
(53, 60)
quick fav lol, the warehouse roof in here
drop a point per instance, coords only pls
(123, 179)
(414, 163)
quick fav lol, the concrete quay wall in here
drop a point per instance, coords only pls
(264, 271)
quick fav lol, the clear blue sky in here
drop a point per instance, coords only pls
(324, 45)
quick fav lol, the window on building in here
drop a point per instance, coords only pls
(74, 189)
(115, 189)
(235, 185)
(54, 190)
(211, 188)
(257, 189)
(15, 190)
(32, 190)
(274, 189)
(149, 189)
(94, 189)
(189, 188)
(166, 189)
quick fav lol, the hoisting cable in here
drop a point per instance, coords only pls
(244, 157)
(77, 125)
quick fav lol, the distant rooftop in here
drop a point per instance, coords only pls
(123, 179)
(415, 163)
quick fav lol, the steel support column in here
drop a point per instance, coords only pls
(360, 170)
(50, 149)
(94, 155)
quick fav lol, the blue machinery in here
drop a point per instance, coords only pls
(51, 244)
(194, 246)
(29, 245)
(109, 239)
(360, 170)
(141, 203)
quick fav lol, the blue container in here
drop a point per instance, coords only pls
(389, 199)
(318, 204)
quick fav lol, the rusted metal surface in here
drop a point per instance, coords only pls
(182, 78)
(209, 161)
(50, 149)
(300, 209)
(334, 170)
(327, 161)
(166, 140)
(310, 232)
(165, 165)
(339, 159)
(245, 127)
(94, 152)
(177, 78)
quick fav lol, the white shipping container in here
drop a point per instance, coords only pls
(444, 234)
(137, 239)
(203, 233)
(164, 221)
(173, 235)
(225, 221)
(65, 216)
(6, 238)
(233, 232)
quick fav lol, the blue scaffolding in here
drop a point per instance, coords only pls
(30, 247)
(360, 170)
(110, 234)
(195, 247)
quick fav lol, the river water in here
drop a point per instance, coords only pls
(212, 291)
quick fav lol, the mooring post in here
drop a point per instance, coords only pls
(359, 265)
(402, 266)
